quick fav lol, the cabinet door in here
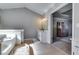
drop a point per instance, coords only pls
(43, 36)
(76, 50)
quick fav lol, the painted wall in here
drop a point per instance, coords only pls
(0, 20)
(20, 18)
(75, 36)
(76, 21)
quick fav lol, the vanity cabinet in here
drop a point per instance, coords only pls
(75, 48)
(43, 36)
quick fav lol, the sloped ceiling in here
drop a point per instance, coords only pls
(39, 8)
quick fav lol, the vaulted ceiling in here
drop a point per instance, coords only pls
(39, 8)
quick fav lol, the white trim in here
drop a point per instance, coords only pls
(72, 29)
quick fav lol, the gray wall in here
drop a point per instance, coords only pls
(0, 20)
(75, 41)
(76, 21)
(20, 18)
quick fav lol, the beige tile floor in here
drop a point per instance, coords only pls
(23, 49)
(37, 48)
(66, 47)
(46, 49)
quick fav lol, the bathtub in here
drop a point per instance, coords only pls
(7, 45)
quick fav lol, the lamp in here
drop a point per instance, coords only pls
(43, 23)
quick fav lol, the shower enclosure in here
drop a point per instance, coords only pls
(62, 28)
(62, 23)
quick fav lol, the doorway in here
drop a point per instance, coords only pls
(62, 27)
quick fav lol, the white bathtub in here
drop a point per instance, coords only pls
(12, 36)
(7, 45)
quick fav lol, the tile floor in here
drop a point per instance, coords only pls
(38, 48)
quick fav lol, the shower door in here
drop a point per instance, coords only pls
(62, 31)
